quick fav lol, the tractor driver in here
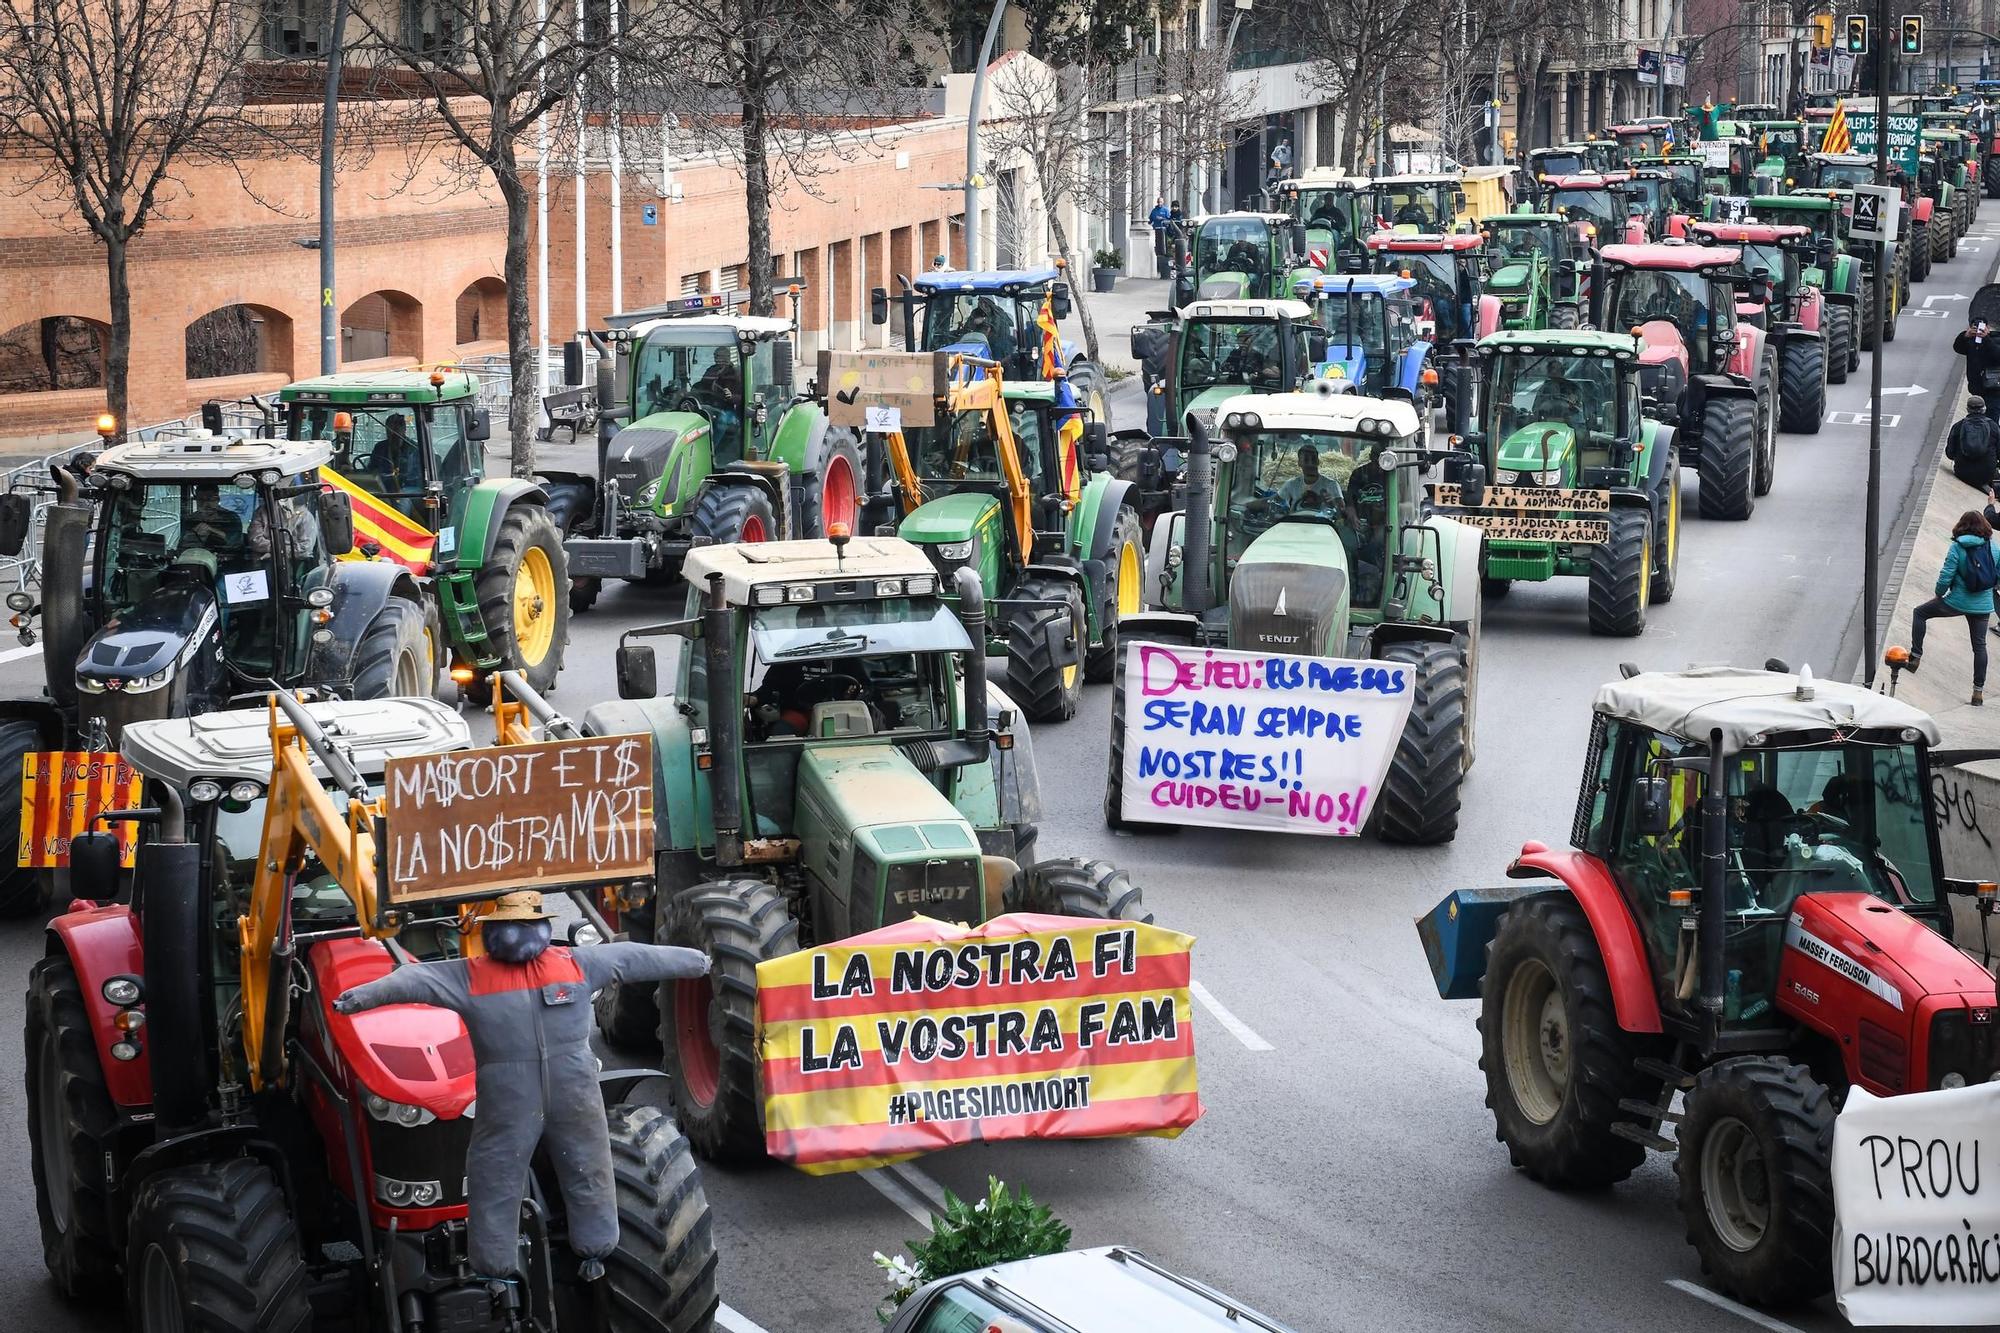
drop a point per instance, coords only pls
(1247, 363)
(395, 462)
(986, 325)
(1413, 214)
(1367, 529)
(1310, 491)
(720, 389)
(211, 525)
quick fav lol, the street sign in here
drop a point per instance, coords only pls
(1905, 136)
(1877, 210)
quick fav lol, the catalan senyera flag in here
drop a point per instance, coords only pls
(61, 792)
(1837, 139)
(401, 538)
(1069, 437)
(926, 1034)
(1045, 320)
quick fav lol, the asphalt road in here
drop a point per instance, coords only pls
(1345, 1175)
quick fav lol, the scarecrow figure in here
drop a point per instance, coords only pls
(526, 1005)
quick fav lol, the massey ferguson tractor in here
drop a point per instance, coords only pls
(1795, 316)
(1751, 919)
(1713, 377)
(210, 1137)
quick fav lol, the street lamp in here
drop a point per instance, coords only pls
(329, 334)
(1228, 44)
(973, 179)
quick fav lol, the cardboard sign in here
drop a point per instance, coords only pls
(1528, 497)
(1715, 154)
(472, 823)
(1233, 739)
(926, 1034)
(252, 585)
(61, 792)
(1537, 527)
(856, 382)
(1916, 1198)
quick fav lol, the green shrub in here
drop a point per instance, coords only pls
(997, 1229)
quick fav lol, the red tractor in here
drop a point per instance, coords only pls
(1712, 376)
(1751, 920)
(1595, 205)
(1795, 316)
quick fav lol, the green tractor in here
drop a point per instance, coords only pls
(1195, 359)
(1834, 176)
(1241, 256)
(829, 760)
(1582, 483)
(409, 452)
(1842, 278)
(1337, 212)
(1537, 269)
(704, 438)
(1304, 532)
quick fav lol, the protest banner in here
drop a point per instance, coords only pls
(1916, 1197)
(468, 823)
(1268, 741)
(882, 390)
(62, 792)
(926, 1034)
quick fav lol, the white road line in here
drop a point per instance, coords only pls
(15, 654)
(915, 1178)
(892, 1189)
(736, 1321)
(1721, 1302)
(1237, 1027)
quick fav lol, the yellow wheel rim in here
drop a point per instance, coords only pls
(534, 606)
(1673, 519)
(1081, 631)
(1128, 580)
(1646, 574)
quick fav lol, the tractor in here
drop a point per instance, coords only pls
(1839, 277)
(1808, 333)
(1649, 200)
(1779, 147)
(996, 484)
(1193, 360)
(1304, 531)
(1582, 484)
(1751, 919)
(1592, 203)
(830, 760)
(1372, 347)
(1241, 256)
(1428, 203)
(1942, 174)
(1337, 212)
(177, 575)
(1684, 180)
(409, 450)
(1836, 174)
(209, 1137)
(1538, 269)
(1569, 159)
(1449, 273)
(1711, 376)
(1641, 140)
(703, 436)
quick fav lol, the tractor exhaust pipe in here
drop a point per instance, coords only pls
(725, 725)
(972, 615)
(1195, 546)
(1709, 925)
(64, 627)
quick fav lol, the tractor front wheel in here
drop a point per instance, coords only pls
(1728, 458)
(1564, 316)
(708, 1025)
(727, 514)
(1037, 638)
(1839, 342)
(835, 493)
(69, 1118)
(213, 1247)
(1072, 886)
(1667, 538)
(1869, 291)
(1802, 385)
(1767, 422)
(524, 596)
(1756, 1179)
(1419, 800)
(1126, 596)
(393, 660)
(20, 886)
(1620, 571)
(1556, 1062)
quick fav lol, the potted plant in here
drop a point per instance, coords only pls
(1106, 265)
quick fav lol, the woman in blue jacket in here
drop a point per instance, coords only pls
(1964, 588)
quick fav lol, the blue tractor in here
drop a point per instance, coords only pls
(1372, 345)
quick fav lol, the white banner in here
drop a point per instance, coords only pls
(1245, 740)
(1916, 1195)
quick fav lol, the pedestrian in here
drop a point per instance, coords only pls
(1176, 218)
(939, 264)
(1281, 159)
(1981, 351)
(1974, 446)
(1964, 588)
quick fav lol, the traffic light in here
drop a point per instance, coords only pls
(1822, 31)
(1857, 34)
(1913, 34)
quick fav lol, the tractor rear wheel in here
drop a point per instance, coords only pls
(726, 514)
(708, 1025)
(69, 1117)
(1556, 1062)
(1420, 796)
(20, 886)
(1620, 572)
(1767, 421)
(525, 596)
(1919, 247)
(1072, 886)
(662, 1275)
(213, 1247)
(392, 661)
(835, 493)
(1839, 342)
(1756, 1182)
(628, 1012)
(1802, 385)
(1866, 305)
(1991, 174)
(1047, 690)
(1667, 539)
(1564, 316)
(1125, 597)
(1728, 458)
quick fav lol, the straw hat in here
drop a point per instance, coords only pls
(524, 905)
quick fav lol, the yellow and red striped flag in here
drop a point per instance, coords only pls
(1837, 139)
(926, 1034)
(61, 792)
(399, 537)
(1045, 320)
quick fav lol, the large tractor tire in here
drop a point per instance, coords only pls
(1127, 453)
(708, 1025)
(662, 1274)
(1086, 382)
(1802, 385)
(836, 491)
(1918, 248)
(1492, 587)
(728, 514)
(1420, 797)
(1666, 571)
(1866, 307)
(1620, 575)
(525, 597)
(1839, 342)
(1951, 246)
(1556, 1062)
(1072, 886)
(1936, 239)
(1564, 316)
(70, 1118)
(1125, 597)
(1756, 1182)
(628, 1013)
(1046, 690)
(1990, 175)
(20, 886)
(213, 1248)
(1768, 409)
(393, 659)
(1728, 458)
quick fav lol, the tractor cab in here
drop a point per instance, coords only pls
(1780, 147)
(1837, 171)
(698, 369)
(1649, 199)
(1199, 357)
(1419, 204)
(1238, 256)
(1337, 212)
(414, 439)
(1559, 407)
(1447, 271)
(1778, 254)
(1590, 202)
(1684, 178)
(1681, 299)
(993, 316)
(1641, 140)
(1372, 346)
(1570, 159)
(1536, 269)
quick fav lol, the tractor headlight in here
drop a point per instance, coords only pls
(204, 790)
(122, 991)
(955, 550)
(20, 601)
(1952, 1080)
(648, 493)
(1502, 477)
(408, 1193)
(147, 684)
(396, 1113)
(1553, 477)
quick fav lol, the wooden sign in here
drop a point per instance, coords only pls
(1538, 527)
(1530, 498)
(472, 823)
(908, 382)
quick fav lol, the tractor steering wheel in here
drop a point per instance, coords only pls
(687, 402)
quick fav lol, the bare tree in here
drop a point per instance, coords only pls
(1370, 54)
(104, 101)
(1195, 107)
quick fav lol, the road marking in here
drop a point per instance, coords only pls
(736, 1321)
(1907, 391)
(1722, 1302)
(1890, 420)
(1928, 314)
(15, 654)
(1237, 1027)
(914, 1177)
(893, 1189)
(1930, 301)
